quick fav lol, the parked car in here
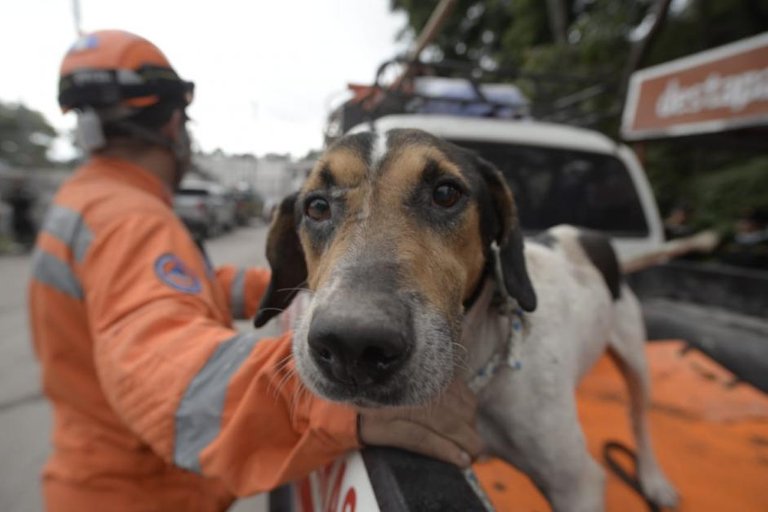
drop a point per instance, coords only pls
(206, 208)
(224, 206)
(193, 205)
(248, 203)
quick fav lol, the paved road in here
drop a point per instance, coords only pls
(25, 417)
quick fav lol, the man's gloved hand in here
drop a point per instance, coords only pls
(444, 429)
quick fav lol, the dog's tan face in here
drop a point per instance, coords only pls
(394, 233)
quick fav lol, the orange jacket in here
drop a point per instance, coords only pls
(158, 403)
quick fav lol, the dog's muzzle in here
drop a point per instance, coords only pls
(358, 344)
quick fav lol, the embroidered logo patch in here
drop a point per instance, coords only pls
(172, 271)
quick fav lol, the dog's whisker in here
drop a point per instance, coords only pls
(288, 372)
(288, 357)
(285, 371)
(460, 346)
(283, 383)
(300, 391)
(285, 375)
(461, 366)
(279, 310)
(294, 289)
(460, 357)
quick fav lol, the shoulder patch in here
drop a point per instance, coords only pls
(171, 270)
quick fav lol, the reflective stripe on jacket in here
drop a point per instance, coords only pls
(159, 404)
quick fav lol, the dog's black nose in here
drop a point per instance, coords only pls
(356, 351)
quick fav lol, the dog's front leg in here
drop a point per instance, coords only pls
(539, 433)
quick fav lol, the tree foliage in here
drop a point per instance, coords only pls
(521, 37)
(25, 136)
(725, 194)
(517, 38)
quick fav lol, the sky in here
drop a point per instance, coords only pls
(265, 72)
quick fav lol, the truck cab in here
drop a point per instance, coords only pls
(559, 174)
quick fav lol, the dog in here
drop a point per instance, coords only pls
(418, 272)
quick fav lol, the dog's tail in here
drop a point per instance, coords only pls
(704, 242)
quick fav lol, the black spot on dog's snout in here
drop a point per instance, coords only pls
(358, 348)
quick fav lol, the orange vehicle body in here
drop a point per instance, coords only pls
(710, 431)
(158, 403)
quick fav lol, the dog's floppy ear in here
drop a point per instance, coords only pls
(286, 257)
(500, 224)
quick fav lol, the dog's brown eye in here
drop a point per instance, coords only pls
(446, 195)
(318, 209)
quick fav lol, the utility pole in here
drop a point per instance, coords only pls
(432, 28)
(428, 33)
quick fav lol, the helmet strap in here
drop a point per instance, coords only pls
(180, 147)
(182, 150)
(89, 133)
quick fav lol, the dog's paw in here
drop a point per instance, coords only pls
(659, 491)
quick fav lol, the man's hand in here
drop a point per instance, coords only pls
(443, 430)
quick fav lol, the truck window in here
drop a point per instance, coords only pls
(559, 186)
(191, 192)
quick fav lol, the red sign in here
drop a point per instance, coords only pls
(716, 90)
(342, 486)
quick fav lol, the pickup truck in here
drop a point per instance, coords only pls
(559, 174)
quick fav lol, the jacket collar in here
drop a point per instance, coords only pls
(131, 174)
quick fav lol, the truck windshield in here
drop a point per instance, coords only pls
(559, 186)
(191, 192)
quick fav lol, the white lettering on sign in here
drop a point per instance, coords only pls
(734, 92)
(342, 486)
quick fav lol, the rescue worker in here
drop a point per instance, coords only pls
(159, 404)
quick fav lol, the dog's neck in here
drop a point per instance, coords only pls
(486, 331)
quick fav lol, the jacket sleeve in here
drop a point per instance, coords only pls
(203, 396)
(243, 288)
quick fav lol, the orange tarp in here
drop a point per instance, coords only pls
(710, 434)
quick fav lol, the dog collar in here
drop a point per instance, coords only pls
(509, 353)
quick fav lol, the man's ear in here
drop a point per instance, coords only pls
(500, 224)
(286, 257)
(175, 124)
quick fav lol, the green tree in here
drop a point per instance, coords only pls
(25, 136)
(565, 54)
(550, 47)
(571, 56)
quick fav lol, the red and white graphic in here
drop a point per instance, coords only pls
(342, 486)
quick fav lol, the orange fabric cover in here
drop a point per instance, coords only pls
(711, 437)
(118, 358)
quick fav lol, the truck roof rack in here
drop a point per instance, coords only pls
(404, 86)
